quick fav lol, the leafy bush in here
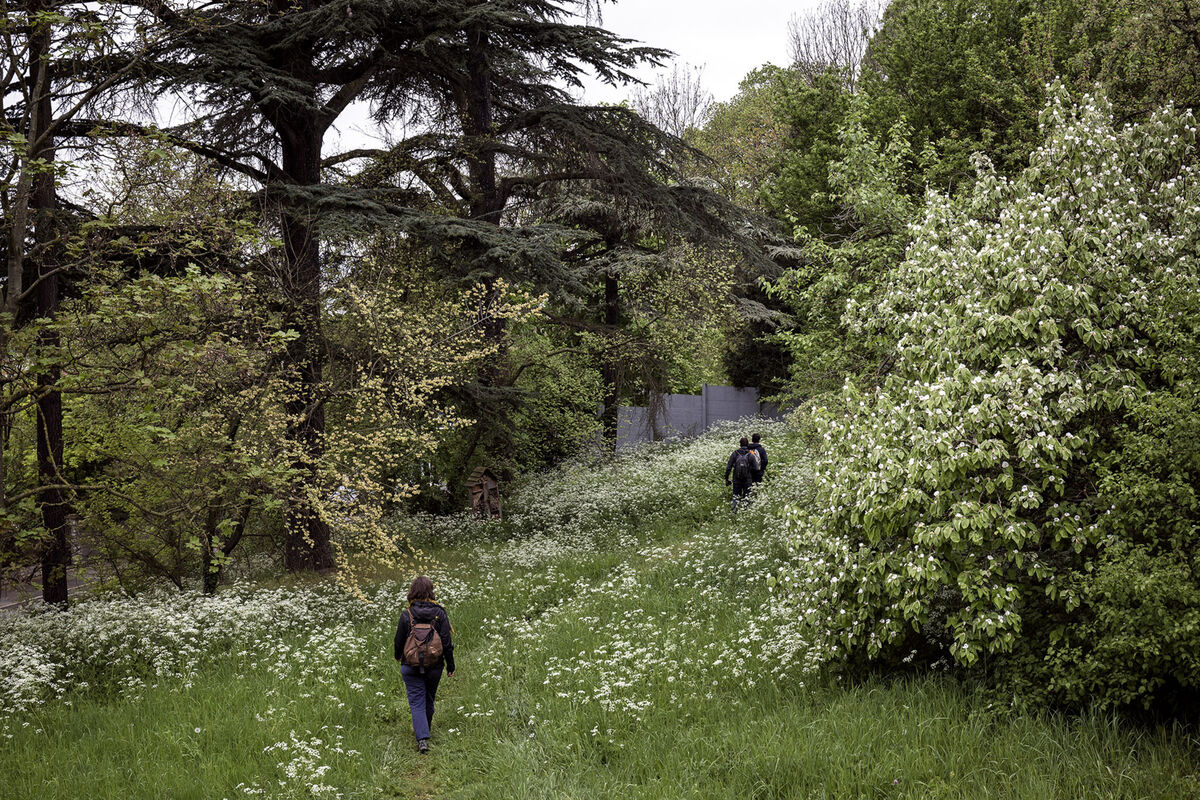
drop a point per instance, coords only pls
(1030, 449)
(1139, 636)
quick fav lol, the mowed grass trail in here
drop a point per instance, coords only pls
(616, 638)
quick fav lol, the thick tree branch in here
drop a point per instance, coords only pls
(350, 155)
(350, 90)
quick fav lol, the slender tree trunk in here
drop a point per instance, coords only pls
(56, 554)
(308, 544)
(210, 572)
(56, 557)
(611, 367)
(216, 552)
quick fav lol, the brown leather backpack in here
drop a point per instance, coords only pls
(423, 647)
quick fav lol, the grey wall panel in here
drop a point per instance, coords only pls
(631, 426)
(683, 415)
(727, 402)
(771, 411)
(691, 415)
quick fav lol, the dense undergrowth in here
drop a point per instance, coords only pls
(620, 634)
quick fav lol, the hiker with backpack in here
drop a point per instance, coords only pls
(742, 464)
(424, 646)
(756, 446)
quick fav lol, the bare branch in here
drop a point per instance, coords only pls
(833, 36)
(676, 103)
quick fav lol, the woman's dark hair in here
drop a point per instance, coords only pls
(421, 589)
(744, 442)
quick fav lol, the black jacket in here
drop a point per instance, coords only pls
(762, 457)
(426, 611)
(733, 458)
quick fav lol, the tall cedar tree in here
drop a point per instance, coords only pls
(511, 146)
(478, 83)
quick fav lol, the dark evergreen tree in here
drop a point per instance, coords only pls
(481, 90)
(510, 148)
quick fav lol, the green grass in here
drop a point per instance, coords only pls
(187, 743)
(587, 675)
(927, 738)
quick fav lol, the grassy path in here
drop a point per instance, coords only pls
(636, 673)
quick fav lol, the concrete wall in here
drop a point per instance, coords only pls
(691, 415)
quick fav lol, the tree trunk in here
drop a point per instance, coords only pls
(215, 553)
(56, 557)
(611, 369)
(308, 544)
(493, 404)
(486, 202)
(210, 568)
(56, 554)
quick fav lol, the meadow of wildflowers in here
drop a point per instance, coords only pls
(620, 634)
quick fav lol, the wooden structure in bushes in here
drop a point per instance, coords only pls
(483, 487)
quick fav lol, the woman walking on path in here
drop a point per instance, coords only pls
(424, 646)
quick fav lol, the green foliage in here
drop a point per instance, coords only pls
(167, 373)
(551, 404)
(1145, 52)
(800, 187)
(1039, 323)
(838, 274)
(172, 421)
(1136, 638)
(557, 419)
(959, 73)
(744, 136)
(679, 307)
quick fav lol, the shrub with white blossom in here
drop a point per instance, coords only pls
(121, 645)
(1016, 458)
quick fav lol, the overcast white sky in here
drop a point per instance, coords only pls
(728, 38)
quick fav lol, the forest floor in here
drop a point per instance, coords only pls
(636, 663)
(27, 588)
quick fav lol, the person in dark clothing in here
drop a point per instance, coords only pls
(421, 683)
(756, 445)
(741, 466)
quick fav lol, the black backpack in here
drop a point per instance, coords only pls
(742, 467)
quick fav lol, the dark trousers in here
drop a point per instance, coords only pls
(741, 492)
(421, 689)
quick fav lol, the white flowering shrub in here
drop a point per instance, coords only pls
(120, 645)
(962, 505)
